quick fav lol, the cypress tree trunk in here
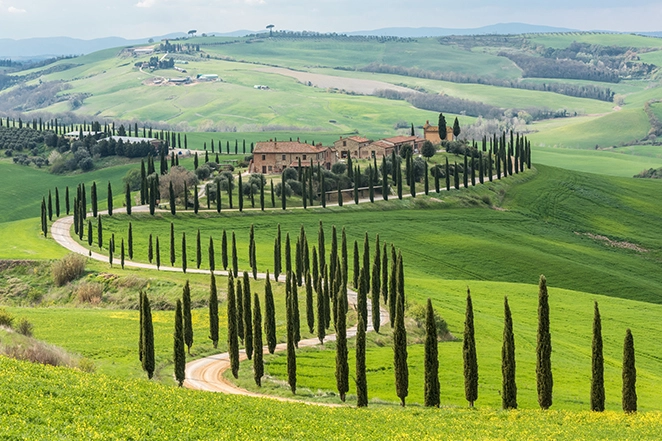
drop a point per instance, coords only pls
(361, 382)
(469, 354)
(597, 365)
(235, 264)
(258, 365)
(342, 368)
(310, 307)
(270, 316)
(179, 352)
(212, 256)
(148, 338)
(400, 341)
(188, 322)
(224, 250)
(629, 375)
(233, 343)
(248, 317)
(432, 386)
(213, 312)
(508, 385)
(544, 349)
(198, 250)
(291, 355)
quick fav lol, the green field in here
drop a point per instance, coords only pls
(623, 161)
(561, 40)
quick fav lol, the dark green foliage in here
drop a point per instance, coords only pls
(310, 311)
(357, 266)
(247, 317)
(235, 264)
(362, 298)
(233, 343)
(196, 200)
(258, 365)
(342, 367)
(172, 244)
(361, 381)
(188, 321)
(110, 200)
(93, 196)
(321, 246)
(147, 337)
(469, 354)
(321, 313)
(127, 199)
(198, 250)
(344, 258)
(597, 365)
(212, 256)
(89, 235)
(239, 301)
(224, 250)
(432, 386)
(456, 128)
(213, 312)
(544, 348)
(158, 254)
(376, 285)
(270, 316)
(392, 297)
(218, 196)
(296, 320)
(629, 375)
(122, 253)
(291, 338)
(240, 196)
(442, 126)
(384, 271)
(288, 254)
(150, 249)
(251, 252)
(172, 199)
(184, 261)
(448, 176)
(400, 340)
(179, 352)
(130, 239)
(456, 177)
(508, 385)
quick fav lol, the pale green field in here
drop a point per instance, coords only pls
(624, 161)
(561, 40)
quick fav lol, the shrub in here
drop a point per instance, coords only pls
(25, 327)
(290, 173)
(203, 172)
(418, 311)
(338, 168)
(86, 365)
(67, 269)
(88, 292)
(6, 318)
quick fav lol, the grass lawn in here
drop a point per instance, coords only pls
(623, 162)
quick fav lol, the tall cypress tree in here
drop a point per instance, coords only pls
(384, 271)
(235, 264)
(218, 196)
(233, 343)
(198, 250)
(188, 321)
(344, 258)
(158, 254)
(224, 250)
(310, 311)
(376, 285)
(597, 365)
(448, 176)
(342, 367)
(196, 200)
(400, 341)
(179, 351)
(173, 209)
(127, 199)
(172, 244)
(629, 375)
(147, 338)
(57, 203)
(544, 348)
(150, 249)
(93, 195)
(212, 255)
(270, 316)
(393, 287)
(67, 205)
(110, 200)
(239, 301)
(321, 313)
(291, 339)
(361, 381)
(247, 317)
(184, 261)
(213, 312)
(258, 364)
(357, 266)
(508, 385)
(469, 354)
(122, 253)
(130, 240)
(362, 298)
(432, 386)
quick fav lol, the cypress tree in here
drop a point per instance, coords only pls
(473, 171)
(432, 387)
(141, 312)
(122, 253)
(89, 235)
(273, 194)
(110, 200)
(188, 321)
(235, 264)
(196, 200)
(344, 257)
(508, 385)
(291, 339)
(258, 365)
(427, 179)
(66, 200)
(158, 254)
(398, 179)
(212, 257)
(247, 317)
(127, 199)
(185, 196)
(261, 195)
(277, 263)
(198, 250)
(150, 249)
(629, 375)
(218, 196)
(147, 338)
(310, 311)
(400, 341)
(362, 297)
(179, 352)
(357, 266)
(544, 349)
(315, 268)
(224, 250)
(469, 355)
(184, 252)
(456, 177)
(110, 252)
(213, 312)
(295, 311)
(376, 285)
(130, 239)
(597, 365)
(393, 287)
(448, 176)
(270, 316)
(321, 314)
(342, 367)
(172, 244)
(288, 254)
(93, 195)
(283, 196)
(327, 298)
(233, 344)
(57, 203)
(239, 293)
(321, 247)
(252, 253)
(465, 173)
(173, 209)
(361, 382)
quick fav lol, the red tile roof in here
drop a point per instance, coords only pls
(403, 139)
(286, 147)
(382, 144)
(359, 139)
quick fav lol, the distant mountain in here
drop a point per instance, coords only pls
(501, 28)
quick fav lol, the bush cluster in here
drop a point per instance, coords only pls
(68, 268)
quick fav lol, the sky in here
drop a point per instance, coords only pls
(89, 19)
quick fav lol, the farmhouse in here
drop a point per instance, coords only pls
(351, 146)
(398, 141)
(275, 156)
(432, 133)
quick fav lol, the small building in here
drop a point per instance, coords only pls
(351, 146)
(398, 141)
(378, 149)
(275, 156)
(75, 135)
(431, 133)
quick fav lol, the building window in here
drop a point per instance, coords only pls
(270, 168)
(283, 157)
(304, 157)
(344, 143)
(264, 157)
(372, 153)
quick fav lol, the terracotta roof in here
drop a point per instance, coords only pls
(358, 139)
(383, 144)
(403, 139)
(286, 147)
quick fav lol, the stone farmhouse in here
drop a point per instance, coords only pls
(275, 156)
(362, 148)
(351, 146)
(431, 133)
